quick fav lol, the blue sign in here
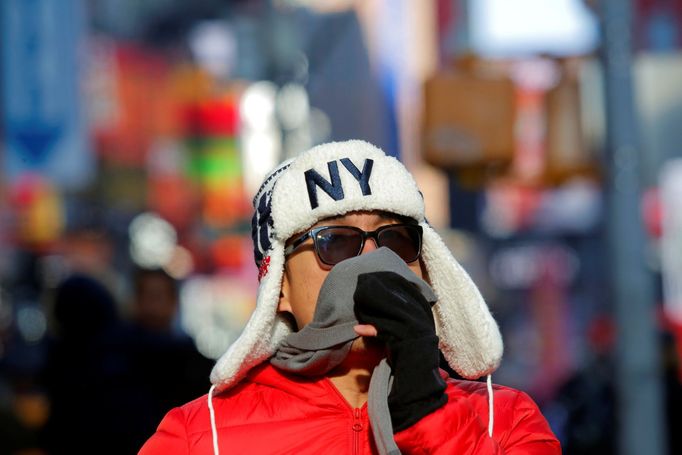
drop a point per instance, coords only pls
(45, 132)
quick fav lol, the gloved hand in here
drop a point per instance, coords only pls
(403, 319)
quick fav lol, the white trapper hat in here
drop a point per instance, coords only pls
(331, 180)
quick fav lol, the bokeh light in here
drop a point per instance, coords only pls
(152, 240)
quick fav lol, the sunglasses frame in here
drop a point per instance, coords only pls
(364, 235)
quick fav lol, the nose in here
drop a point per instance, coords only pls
(370, 245)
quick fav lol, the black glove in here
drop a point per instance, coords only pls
(403, 319)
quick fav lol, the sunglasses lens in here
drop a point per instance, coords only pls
(335, 244)
(405, 241)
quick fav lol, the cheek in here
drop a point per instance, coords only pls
(419, 269)
(306, 279)
(303, 300)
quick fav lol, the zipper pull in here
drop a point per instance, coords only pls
(357, 423)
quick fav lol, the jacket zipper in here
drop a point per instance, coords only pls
(357, 425)
(357, 428)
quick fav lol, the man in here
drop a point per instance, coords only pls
(155, 349)
(298, 380)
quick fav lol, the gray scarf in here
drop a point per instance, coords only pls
(325, 342)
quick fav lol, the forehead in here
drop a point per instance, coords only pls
(362, 216)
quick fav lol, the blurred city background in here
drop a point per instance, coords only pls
(545, 135)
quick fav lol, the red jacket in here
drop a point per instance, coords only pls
(271, 412)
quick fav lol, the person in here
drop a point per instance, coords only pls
(156, 348)
(357, 295)
(87, 375)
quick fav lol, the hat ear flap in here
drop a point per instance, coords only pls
(469, 336)
(263, 333)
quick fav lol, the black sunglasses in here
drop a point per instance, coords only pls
(334, 244)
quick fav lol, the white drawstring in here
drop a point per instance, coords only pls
(491, 417)
(214, 431)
